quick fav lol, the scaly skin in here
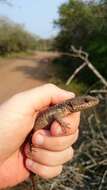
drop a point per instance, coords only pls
(58, 111)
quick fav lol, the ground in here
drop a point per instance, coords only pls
(22, 73)
(88, 169)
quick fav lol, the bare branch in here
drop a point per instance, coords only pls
(96, 72)
(84, 56)
(103, 179)
(80, 52)
(75, 73)
(102, 91)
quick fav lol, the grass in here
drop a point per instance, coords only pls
(17, 54)
(74, 86)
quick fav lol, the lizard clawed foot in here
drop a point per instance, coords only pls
(63, 124)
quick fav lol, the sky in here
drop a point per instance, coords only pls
(36, 15)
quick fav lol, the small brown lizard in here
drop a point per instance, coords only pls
(57, 112)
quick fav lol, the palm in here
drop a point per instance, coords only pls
(16, 171)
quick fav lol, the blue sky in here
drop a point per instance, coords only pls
(36, 15)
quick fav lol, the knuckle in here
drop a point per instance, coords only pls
(61, 143)
(76, 135)
(59, 170)
(77, 119)
(43, 172)
(68, 155)
(17, 95)
(50, 85)
(48, 173)
(72, 152)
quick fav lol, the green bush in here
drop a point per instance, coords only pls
(84, 24)
(14, 38)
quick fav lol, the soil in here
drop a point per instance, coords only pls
(22, 73)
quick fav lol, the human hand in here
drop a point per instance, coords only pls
(17, 117)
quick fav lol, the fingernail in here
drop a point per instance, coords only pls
(39, 140)
(69, 93)
(29, 163)
(59, 131)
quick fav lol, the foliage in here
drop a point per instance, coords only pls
(84, 24)
(14, 38)
(45, 44)
(74, 86)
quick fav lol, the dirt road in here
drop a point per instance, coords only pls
(23, 73)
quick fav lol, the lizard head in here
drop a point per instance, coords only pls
(83, 102)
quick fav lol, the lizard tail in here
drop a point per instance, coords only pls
(34, 180)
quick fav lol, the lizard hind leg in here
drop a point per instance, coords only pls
(63, 124)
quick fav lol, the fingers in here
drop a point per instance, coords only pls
(47, 94)
(44, 171)
(47, 158)
(55, 150)
(43, 139)
(50, 158)
(72, 122)
(50, 140)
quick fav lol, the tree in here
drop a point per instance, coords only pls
(14, 37)
(84, 24)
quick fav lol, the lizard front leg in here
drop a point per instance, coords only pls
(63, 124)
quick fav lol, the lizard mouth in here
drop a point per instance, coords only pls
(91, 101)
(84, 103)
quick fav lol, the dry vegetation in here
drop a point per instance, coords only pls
(88, 169)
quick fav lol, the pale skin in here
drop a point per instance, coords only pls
(51, 149)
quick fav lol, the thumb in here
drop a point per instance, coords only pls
(33, 100)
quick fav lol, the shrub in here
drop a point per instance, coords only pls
(14, 38)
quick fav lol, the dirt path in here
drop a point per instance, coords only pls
(23, 73)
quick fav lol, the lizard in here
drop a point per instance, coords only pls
(57, 112)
